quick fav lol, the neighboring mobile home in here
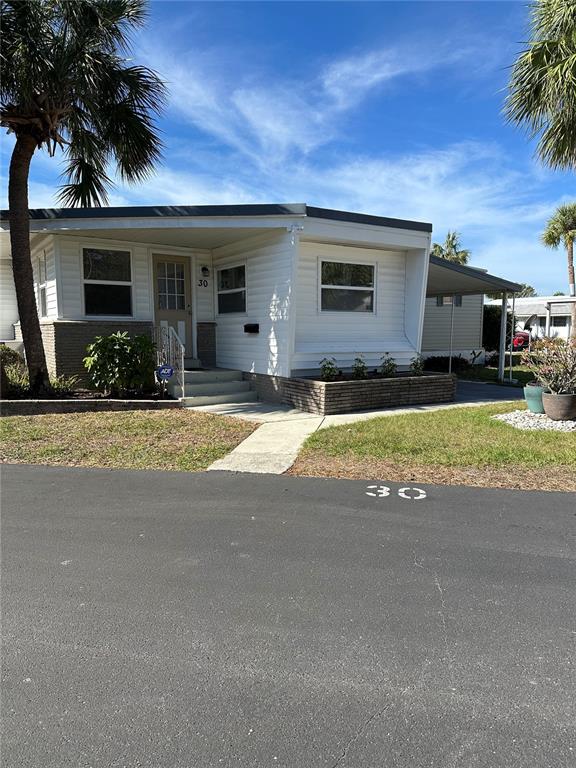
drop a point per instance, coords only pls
(264, 289)
(545, 315)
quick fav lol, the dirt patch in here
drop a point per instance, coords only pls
(551, 478)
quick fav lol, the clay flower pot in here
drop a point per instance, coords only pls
(559, 407)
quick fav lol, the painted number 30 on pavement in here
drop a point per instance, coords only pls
(381, 491)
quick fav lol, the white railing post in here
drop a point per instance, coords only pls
(171, 351)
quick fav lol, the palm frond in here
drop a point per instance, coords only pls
(542, 89)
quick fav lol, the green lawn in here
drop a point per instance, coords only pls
(453, 445)
(480, 373)
(170, 439)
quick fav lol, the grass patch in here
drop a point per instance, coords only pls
(459, 445)
(481, 373)
(168, 440)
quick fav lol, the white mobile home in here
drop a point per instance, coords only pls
(544, 315)
(263, 289)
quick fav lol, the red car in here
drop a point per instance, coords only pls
(521, 340)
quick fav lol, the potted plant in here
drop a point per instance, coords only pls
(553, 363)
(533, 390)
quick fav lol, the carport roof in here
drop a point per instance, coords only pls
(446, 277)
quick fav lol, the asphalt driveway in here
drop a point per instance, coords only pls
(167, 619)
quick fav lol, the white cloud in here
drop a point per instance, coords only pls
(268, 122)
(348, 80)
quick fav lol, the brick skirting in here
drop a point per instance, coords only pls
(206, 343)
(65, 341)
(348, 396)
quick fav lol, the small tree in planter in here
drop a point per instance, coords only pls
(417, 366)
(553, 363)
(388, 367)
(359, 368)
(328, 369)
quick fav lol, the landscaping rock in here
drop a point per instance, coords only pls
(528, 420)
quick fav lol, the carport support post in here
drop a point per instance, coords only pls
(502, 350)
(451, 335)
(512, 332)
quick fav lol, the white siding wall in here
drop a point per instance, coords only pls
(204, 294)
(467, 326)
(70, 254)
(47, 247)
(343, 335)
(8, 308)
(269, 263)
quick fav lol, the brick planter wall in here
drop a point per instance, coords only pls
(86, 405)
(347, 396)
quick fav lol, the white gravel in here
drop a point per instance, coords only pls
(528, 420)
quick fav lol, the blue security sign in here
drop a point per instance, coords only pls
(164, 372)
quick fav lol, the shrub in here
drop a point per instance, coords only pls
(19, 384)
(9, 359)
(388, 367)
(359, 368)
(328, 369)
(417, 365)
(118, 363)
(491, 327)
(10, 356)
(440, 363)
(553, 363)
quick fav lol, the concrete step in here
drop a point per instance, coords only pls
(236, 397)
(215, 388)
(206, 377)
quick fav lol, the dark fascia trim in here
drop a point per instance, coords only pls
(365, 218)
(165, 211)
(268, 209)
(497, 282)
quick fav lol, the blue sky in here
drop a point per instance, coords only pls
(391, 108)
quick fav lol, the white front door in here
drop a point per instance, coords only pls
(173, 305)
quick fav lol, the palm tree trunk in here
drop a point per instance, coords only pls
(22, 264)
(570, 253)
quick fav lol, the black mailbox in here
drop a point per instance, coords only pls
(252, 328)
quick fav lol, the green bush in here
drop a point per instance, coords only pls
(359, 368)
(388, 367)
(417, 366)
(10, 356)
(440, 363)
(328, 369)
(118, 363)
(491, 327)
(18, 384)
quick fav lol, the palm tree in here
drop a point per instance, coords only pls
(67, 84)
(526, 291)
(542, 89)
(451, 250)
(561, 228)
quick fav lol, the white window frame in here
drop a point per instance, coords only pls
(440, 300)
(106, 247)
(42, 284)
(221, 268)
(355, 262)
(563, 324)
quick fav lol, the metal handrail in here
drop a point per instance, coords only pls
(170, 350)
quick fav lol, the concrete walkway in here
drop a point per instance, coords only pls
(274, 446)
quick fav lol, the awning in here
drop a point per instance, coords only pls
(446, 278)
